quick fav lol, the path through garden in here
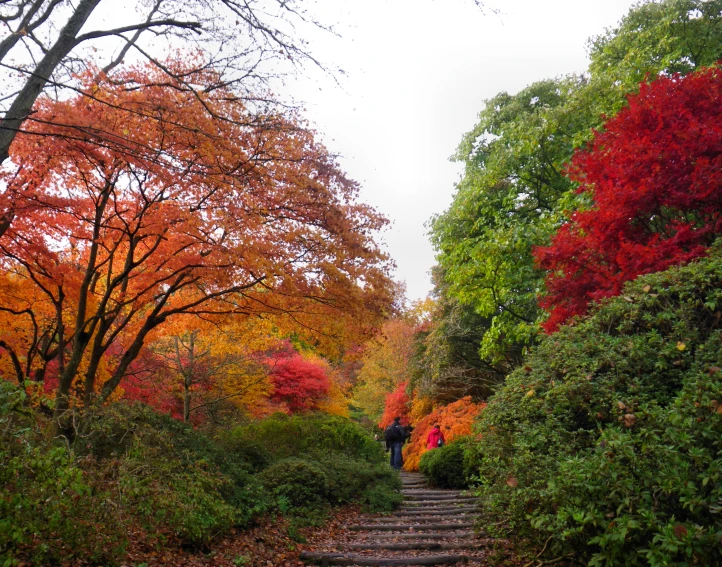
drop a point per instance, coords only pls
(432, 527)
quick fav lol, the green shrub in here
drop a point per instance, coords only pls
(161, 456)
(309, 435)
(444, 467)
(381, 498)
(350, 479)
(299, 482)
(48, 504)
(131, 467)
(651, 494)
(607, 441)
(181, 495)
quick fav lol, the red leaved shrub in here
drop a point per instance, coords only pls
(397, 404)
(655, 178)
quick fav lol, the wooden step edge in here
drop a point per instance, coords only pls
(365, 561)
(406, 527)
(438, 501)
(414, 545)
(434, 510)
(418, 536)
(463, 517)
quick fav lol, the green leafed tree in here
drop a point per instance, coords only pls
(506, 203)
(446, 365)
(514, 193)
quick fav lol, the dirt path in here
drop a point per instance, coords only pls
(432, 527)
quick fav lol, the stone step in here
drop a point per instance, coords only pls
(433, 512)
(365, 561)
(442, 507)
(432, 494)
(430, 498)
(413, 520)
(413, 545)
(419, 536)
(407, 527)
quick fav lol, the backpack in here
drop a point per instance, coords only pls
(393, 434)
(440, 442)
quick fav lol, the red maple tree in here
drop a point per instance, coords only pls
(397, 405)
(299, 383)
(654, 176)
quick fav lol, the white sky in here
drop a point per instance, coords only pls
(418, 72)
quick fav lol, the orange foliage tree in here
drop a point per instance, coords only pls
(455, 420)
(145, 204)
(397, 405)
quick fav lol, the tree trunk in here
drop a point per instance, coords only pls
(186, 399)
(23, 103)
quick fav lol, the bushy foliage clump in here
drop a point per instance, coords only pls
(653, 180)
(299, 482)
(376, 485)
(607, 441)
(283, 436)
(132, 470)
(353, 463)
(48, 502)
(455, 420)
(445, 467)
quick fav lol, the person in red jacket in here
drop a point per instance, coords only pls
(435, 438)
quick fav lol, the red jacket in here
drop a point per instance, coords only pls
(432, 439)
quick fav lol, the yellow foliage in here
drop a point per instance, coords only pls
(385, 365)
(420, 408)
(336, 402)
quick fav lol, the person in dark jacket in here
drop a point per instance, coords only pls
(396, 435)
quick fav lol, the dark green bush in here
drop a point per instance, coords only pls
(380, 498)
(48, 506)
(607, 441)
(350, 479)
(161, 455)
(353, 463)
(298, 482)
(444, 467)
(131, 467)
(309, 435)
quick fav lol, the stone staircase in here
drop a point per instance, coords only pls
(432, 527)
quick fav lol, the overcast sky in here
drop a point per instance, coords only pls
(417, 73)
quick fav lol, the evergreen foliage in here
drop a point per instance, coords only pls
(444, 467)
(131, 470)
(607, 441)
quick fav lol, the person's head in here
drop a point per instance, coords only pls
(397, 419)
(437, 426)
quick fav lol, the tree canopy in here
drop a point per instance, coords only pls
(140, 204)
(514, 193)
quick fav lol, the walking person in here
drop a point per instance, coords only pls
(435, 438)
(396, 435)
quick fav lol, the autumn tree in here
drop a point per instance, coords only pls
(446, 364)
(397, 404)
(299, 383)
(50, 43)
(385, 365)
(653, 176)
(208, 365)
(153, 202)
(455, 419)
